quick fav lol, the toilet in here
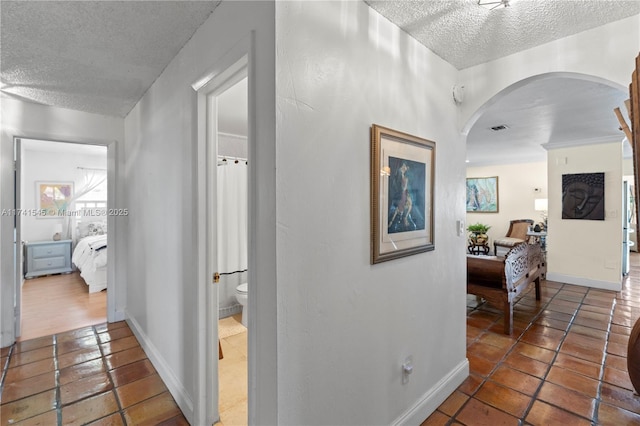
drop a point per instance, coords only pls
(241, 296)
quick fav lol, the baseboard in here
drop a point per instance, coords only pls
(230, 310)
(435, 396)
(174, 385)
(119, 315)
(585, 282)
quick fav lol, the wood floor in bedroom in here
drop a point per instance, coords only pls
(58, 303)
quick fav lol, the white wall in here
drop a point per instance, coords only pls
(605, 54)
(516, 196)
(42, 166)
(230, 145)
(161, 166)
(586, 252)
(345, 326)
(23, 119)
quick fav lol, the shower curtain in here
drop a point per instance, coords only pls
(232, 231)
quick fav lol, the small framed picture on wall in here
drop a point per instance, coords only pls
(482, 195)
(402, 185)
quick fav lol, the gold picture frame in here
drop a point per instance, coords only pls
(402, 194)
(483, 195)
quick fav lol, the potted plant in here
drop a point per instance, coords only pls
(478, 232)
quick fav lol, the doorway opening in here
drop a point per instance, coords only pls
(224, 221)
(232, 253)
(60, 236)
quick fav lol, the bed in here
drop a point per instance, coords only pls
(90, 257)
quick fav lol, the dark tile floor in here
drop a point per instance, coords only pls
(564, 364)
(94, 375)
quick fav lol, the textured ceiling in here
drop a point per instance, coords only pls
(552, 112)
(93, 56)
(465, 34)
(102, 56)
(555, 112)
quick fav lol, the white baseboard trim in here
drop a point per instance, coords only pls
(229, 310)
(435, 396)
(585, 282)
(118, 315)
(174, 385)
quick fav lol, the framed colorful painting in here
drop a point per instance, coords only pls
(402, 182)
(482, 195)
(54, 198)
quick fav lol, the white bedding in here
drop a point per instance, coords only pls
(90, 257)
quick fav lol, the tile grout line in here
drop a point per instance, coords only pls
(56, 373)
(518, 339)
(556, 352)
(113, 385)
(555, 356)
(5, 367)
(605, 354)
(56, 346)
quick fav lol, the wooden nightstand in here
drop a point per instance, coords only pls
(47, 257)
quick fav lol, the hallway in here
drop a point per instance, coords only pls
(566, 362)
(93, 374)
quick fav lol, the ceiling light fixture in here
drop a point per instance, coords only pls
(493, 4)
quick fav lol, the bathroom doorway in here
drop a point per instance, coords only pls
(223, 111)
(232, 251)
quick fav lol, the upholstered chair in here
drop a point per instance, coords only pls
(517, 233)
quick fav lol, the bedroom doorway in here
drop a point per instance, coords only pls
(60, 197)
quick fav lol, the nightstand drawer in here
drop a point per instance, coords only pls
(50, 251)
(49, 263)
(46, 258)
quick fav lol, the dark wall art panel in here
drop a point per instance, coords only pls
(583, 196)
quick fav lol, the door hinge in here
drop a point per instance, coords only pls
(216, 278)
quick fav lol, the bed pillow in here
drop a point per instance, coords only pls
(86, 229)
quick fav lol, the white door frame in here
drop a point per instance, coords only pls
(112, 313)
(229, 70)
(17, 242)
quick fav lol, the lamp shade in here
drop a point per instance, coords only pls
(541, 204)
(57, 228)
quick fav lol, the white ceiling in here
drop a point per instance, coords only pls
(93, 56)
(101, 57)
(554, 111)
(465, 34)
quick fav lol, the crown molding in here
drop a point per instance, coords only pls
(581, 142)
